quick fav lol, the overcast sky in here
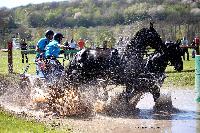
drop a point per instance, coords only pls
(15, 3)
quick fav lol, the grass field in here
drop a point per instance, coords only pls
(10, 123)
(184, 78)
(18, 66)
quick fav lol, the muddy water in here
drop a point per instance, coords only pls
(178, 113)
(183, 116)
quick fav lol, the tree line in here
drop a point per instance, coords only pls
(179, 16)
(92, 13)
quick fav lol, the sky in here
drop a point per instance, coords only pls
(16, 3)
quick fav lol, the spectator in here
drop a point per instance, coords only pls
(66, 44)
(24, 48)
(193, 49)
(196, 39)
(93, 46)
(120, 42)
(72, 45)
(184, 42)
(81, 43)
(105, 44)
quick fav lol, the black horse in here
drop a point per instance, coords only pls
(90, 64)
(153, 75)
(128, 68)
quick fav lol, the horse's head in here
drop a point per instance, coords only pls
(174, 53)
(147, 37)
(158, 61)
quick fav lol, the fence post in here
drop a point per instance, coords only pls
(10, 58)
(197, 76)
(197, 68)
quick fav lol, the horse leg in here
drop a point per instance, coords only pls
(135, 97)
(129, 89)
(105, 92)
(155, 92)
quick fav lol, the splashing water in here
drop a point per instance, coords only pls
(87, 101)
(34, 94)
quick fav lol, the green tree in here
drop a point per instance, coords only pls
(36, 20)
(6, 23)
(104, 34)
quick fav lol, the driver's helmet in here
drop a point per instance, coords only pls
(49, 33)
(58, 37)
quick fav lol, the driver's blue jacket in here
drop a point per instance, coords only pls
(52, 49)
(42, 43)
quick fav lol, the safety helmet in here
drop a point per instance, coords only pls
(48, 33)
(58, 37)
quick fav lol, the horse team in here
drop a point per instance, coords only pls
(130, 68)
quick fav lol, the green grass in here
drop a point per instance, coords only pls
(18, 67)
(184, 78)
(10, 123)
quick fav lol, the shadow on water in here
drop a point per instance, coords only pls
(152, 114)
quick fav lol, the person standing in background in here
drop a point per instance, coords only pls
(193, 49)
(81, 43)
(184, 42)
(72, 45)
(105, 44)
(66, 44)
(24, 48)
(93, 46)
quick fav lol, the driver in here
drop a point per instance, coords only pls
(43, 42)
(53, 48)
